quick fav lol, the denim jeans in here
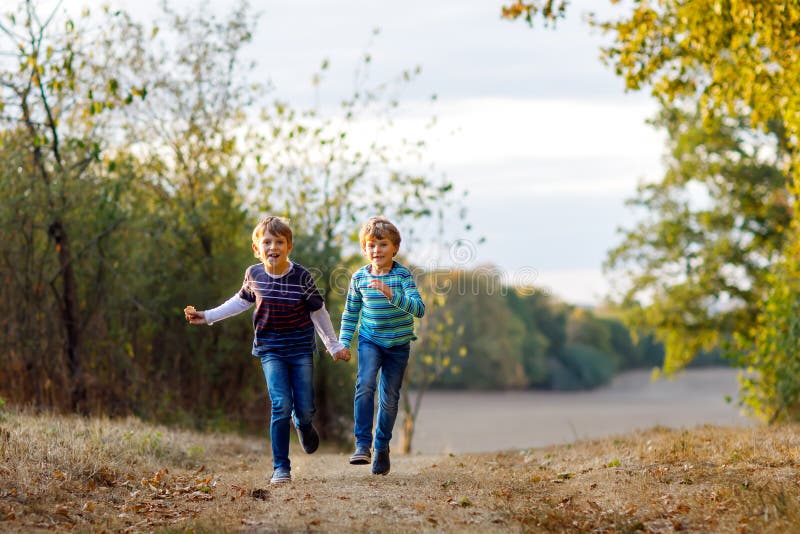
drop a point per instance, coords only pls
(291, 391)
(391, 362)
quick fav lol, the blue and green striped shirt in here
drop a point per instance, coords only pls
(386, 322)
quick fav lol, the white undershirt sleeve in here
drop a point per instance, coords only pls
(324, 327)
(233, 306)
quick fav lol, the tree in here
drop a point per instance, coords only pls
(496, 335)
(193, 148)
(694, 270)
(737, 58)
(734, 59)
(434, 355)
(544, 330)
(57, 93)
(771, 390)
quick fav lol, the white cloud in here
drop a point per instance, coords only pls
(496, 130)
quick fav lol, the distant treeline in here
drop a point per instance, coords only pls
(522, 338)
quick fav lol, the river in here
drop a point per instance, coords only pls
(459, 421)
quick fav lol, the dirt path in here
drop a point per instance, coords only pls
(327, 493)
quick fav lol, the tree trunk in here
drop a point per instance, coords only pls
(69, 317)
(407, 434)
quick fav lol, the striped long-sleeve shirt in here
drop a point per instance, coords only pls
(282, 318)
(386, 322)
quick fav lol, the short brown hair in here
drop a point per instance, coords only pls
(379, 228)
(273, 225)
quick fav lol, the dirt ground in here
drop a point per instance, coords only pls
(709, 479)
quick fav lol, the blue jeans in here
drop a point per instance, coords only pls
(391, 362)
(291, 391)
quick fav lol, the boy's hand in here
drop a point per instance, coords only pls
(194, 316)
(382, 287)
(343, 355)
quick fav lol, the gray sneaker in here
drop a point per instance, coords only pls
(281, 475)
(361, 456)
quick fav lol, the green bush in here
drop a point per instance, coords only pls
(580, 367)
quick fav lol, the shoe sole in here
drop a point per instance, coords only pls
(278, 481)
(384, 473)
(359, 460)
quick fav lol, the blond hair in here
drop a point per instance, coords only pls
(273, 225)
(379, 228)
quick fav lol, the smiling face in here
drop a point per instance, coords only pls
(380, 252)
(273, 251)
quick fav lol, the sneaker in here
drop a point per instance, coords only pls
(361, 456)
(281, 475)
(309, 438)
(381, 463)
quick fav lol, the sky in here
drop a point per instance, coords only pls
(539, 132)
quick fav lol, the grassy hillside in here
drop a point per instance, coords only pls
(68, 473)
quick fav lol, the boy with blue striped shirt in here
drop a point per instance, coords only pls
(288, 309)
(382, 302)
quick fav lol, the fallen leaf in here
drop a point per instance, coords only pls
(420, 507)
(260, 494)
(238, 491)
(463, 502)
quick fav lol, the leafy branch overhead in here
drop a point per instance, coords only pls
(548, 10)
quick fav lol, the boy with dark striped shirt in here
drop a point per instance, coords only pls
(289, 308)
(382, 302)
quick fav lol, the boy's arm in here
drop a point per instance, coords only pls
(233, 306)
(324, 327)
(352, 309)
(409, 300)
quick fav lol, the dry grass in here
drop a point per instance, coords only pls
(69, 473)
